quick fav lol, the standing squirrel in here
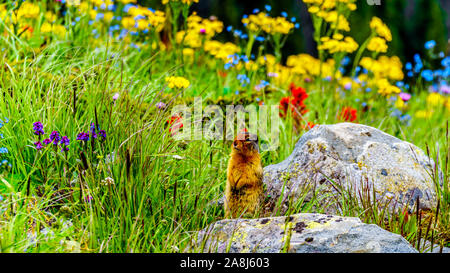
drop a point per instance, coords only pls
(244, 194)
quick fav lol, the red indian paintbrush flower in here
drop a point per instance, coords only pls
(348, 114)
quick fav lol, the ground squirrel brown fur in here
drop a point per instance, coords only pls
(244, 192)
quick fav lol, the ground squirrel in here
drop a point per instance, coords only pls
(244, 192)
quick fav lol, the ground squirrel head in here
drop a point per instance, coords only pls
(246, 143)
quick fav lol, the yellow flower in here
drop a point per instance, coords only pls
(435, 99)
(46, 28)
(59, 30)
(50, 16)
(28, 10)
(188, 52)
(177, 82)
(377, 44)
(348, 44)
(108, 16)
(221, 50)
(127, 1)
(380, 28)
(423, 114)
(386, 89)
(263, 22)
(128, 22)
(188, 2)
(399, 103)
(384, 67)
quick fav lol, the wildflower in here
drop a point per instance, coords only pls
(38, 128)
(444, 89)
(160, 105)
(65, 140)
(107, 181)
(430, 44)
(55, 137)
(348, 114)
(177, 82)
(405, 96)
(38, 145)
(244, 80)
(298, 92)
(308, 125)
(28, 10)
(175, 123)
(377, 44)
(83, 136)
(47, 141)
(423, 114)
(435, 99)
(115, 97)
(427, 75)
(446, 61)
(102, 134)
(338, 44)
(381, 29)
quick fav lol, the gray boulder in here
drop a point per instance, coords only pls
(331, 160)
(300, 233)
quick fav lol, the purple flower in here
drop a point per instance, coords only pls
(445, 89)
(160, 105)
(38, 128)
(38, 145)
(83, 136)
(202, 31)
(55, 137)
(115, 97)
(65, 140)
(405, 96)
(102, 133)
(94, 135)
(47, 141)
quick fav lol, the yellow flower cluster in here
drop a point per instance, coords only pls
(385, 88)
(141, 18)
(381, 28)
(338, 44)
(423, 114)
(336, 21)
(328, 10)
(188, 2)
(221, 50)
(384, 67)
(177, 82)
(377, 44)
(127, 1)
(380, 35)
(58, 30)
(199, 30)
(306, 65)
(330, 4)
(435, 99)
(28, 10)
(50, 17)
(271, 25)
